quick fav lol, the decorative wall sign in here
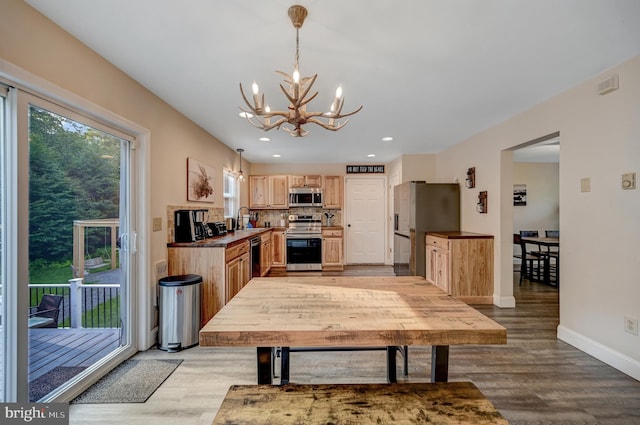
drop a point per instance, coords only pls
(519, 194)
(365, 169)
(200, 181)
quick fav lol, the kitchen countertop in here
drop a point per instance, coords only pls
(222, 241)
(459, 235)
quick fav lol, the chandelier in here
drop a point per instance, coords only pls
(297, 92)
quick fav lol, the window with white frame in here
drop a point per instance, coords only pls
(230, 193)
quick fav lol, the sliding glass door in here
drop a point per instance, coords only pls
(67, 248)
(3, 277)
(78, 278)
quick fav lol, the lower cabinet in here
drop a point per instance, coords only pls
(265, 254)
(278, 248)
(237, 269)
(437, 267)
(332, 252)
(461, 264)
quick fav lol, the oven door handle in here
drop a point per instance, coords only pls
(304, 236)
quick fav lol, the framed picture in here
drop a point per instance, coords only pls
(519, 194)
(200, 181)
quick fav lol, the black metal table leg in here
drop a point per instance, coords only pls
(440, 363)
(391, 364)
(264, 365)
(284, 365)
(405, 355)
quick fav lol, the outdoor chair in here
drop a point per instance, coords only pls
(49, 308)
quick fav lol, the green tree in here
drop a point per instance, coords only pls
(74, 175)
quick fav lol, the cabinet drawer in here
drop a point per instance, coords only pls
(337, 233)
(265, 237)
(236, 251)
(438, 242)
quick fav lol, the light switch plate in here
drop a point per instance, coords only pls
(629, 181)
(585, 184)
(157, 224)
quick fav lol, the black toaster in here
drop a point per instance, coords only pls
(218, 228)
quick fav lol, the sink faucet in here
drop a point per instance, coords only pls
(238, 216)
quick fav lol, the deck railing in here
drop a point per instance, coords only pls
(83, 305)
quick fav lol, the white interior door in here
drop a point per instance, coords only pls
(365, 220)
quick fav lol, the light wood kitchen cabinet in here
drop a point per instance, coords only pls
(461, 263)
(332, 191)
(237, 269)
(265, 254)
(305, 181)
(279, 248)
(208, 263)
(332, 252)
(268, 192)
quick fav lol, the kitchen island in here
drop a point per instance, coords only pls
(461, 264)
(224, 262)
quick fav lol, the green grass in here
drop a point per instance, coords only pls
(50, 273)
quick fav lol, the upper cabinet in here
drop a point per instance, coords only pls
(268, 192)
(305, 181)
(332, 192)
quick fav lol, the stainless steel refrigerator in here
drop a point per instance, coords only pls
(421, 207)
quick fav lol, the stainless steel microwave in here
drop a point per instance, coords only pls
(305, 197)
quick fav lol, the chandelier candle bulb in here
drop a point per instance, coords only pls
(256, 92)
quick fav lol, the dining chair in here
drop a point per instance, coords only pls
(554, 258)
(532, 267)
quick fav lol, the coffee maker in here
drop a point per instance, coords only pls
(191, 225)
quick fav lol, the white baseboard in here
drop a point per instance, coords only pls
(623, 363)
(504, 302)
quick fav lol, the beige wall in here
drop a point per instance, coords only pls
(600, 139)
(542, 211)
(35, 44)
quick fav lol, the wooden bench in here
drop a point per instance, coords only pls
(94, 263)
(415, 403)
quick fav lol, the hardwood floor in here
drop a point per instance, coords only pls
(534, 379)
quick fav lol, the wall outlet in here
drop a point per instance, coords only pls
(631, 325)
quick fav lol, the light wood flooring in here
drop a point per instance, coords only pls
(534, 379)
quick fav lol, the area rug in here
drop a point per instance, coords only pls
(133, 381)
(51, 380)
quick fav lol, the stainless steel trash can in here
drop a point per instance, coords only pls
(179, 304)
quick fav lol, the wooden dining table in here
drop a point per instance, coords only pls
(547, 243)
(347, 311)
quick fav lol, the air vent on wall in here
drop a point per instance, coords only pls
(608, 85)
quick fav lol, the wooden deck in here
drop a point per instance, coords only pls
(50, 348)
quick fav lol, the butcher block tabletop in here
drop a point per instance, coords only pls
(327, 311)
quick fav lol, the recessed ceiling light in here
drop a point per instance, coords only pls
(275, 155)
(387, 139)
(371, 155)
(244, 114)
(264, 139)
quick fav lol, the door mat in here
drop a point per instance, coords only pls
(51, 380)
(133, 381)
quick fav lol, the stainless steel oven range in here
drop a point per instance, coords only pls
(304, 242)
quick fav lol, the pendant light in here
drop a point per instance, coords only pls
(241, 177)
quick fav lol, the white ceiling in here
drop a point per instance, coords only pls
(430, 73)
